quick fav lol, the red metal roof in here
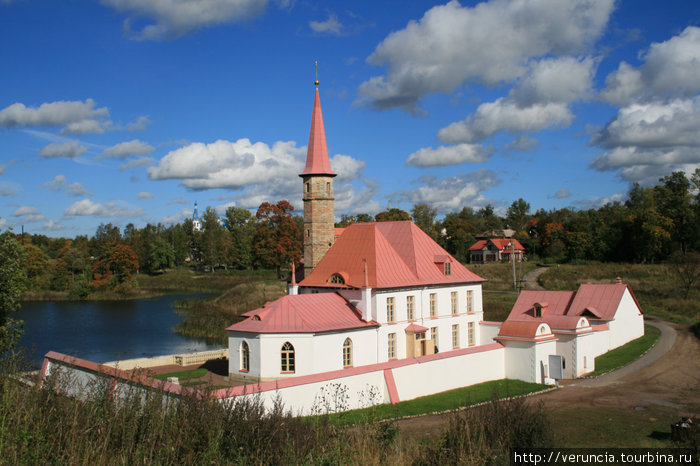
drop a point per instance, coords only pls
(317, 161)
(415, 328)
(600, 299)
(522, 330)
(396, 254)
(503, 244)
(303, 313)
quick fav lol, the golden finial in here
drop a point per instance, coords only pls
(316, 82)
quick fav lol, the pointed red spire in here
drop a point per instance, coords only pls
(317, 161)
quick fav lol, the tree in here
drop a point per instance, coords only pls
(215, 244)
(490, 220)
(11, 288)
(673, 201)
(686, 269)
(123, 262)
(241, 225)
(517, 214)
(391, 215)
(277, 239)
(459, 230)
(162, 255)
(424, 216)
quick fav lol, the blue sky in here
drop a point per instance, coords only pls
(129, 111)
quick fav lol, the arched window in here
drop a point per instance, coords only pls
(245, 357)
(347, 353)
(287, 357)
(337, 279)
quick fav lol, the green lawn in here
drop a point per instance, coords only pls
(627, 353)
(440, 402)
(183, 375)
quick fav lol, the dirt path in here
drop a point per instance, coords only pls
(667, 375)
(531, 278)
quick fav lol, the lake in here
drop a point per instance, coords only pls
(102, 331)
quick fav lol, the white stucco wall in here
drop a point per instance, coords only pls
(449, 373)
(488, 331)
(628, 324)
(525, 360)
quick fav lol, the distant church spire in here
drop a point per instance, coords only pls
(317, 191)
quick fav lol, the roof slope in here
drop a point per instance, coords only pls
(303, 313)
(556, 302)
(396, 253)
(503, 244)
(317, 161)
(602, 300)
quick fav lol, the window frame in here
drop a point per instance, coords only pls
(455, 336)
(287, 359)
(391, 310)
(470, 301)
(410, 308)
(433, 305)
(391, 346)
(347, 352)
(245, 357)
(471, 334)
(454, 300)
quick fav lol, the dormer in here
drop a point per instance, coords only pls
(539, 309)
(444, 263)
(590, 312)
(337, 279)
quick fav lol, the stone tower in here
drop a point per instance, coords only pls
(318, 193)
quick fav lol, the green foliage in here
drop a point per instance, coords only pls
(424, 216)
(162, 255)
(12, 277)
(391, 215)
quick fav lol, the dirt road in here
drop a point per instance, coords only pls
(668, 375)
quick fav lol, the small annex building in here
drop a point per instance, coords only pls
(582, 324)
(496, 250)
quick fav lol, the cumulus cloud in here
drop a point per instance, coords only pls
(145, 195)
(78, 190)
(346, 167)
(8, 189)
(351, 199)
(452, 193)
(174, 18)
(71, 150)
(57, 184)
(670, 70)
(490, 43)
(52, 225)
(109, 209)
(655, 131)
(75, 116)
(127, 149)
(329, 26)
(140, 124)
(540, 99)
(448, 155)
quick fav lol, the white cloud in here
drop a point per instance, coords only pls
(144, 195)
(76, 116)
(490, 43)
(329, 26)
(140, 162)
(57, 184)
(52, 225)
(351, 200)
(179, 200)
(670, 70)
(177, 218)
(452, 193)
(109, 209)
(127, 149)
(78, 190)
(28, 214)
(448, 155)
(69, 150)
(174, 18)
(346, 167)
(140, 124)
(562, 193)
(8, 189)
(539, 100)
(523, 143)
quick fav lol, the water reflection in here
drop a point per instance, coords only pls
(103, 331)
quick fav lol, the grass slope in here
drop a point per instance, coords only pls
(627, 353)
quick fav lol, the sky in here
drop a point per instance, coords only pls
(130, 111)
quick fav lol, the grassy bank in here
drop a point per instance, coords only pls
(627, 353)
(654, 285)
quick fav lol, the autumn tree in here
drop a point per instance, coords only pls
(277, 239)
(123, 262)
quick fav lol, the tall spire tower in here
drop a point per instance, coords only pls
(318, 192)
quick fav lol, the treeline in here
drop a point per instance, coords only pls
(650, 226)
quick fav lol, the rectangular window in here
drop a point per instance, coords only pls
(390, 312)
(455, 336)
(433, 305)
(470, 301)
(391, 346)
(434, 337)
(448, 268)
(410, 307)
(470, 333)
(455, 309)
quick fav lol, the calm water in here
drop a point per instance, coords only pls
(103, 331)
